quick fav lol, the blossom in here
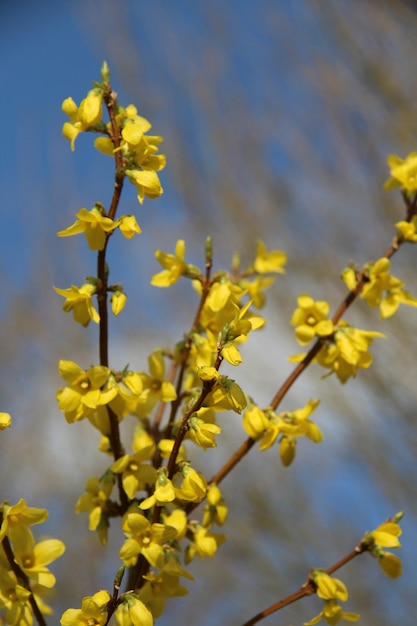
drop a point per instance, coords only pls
(193, 487)
(333, 613)
(5, 421)
(128, 226)
(118, 300)
(174, 265)
(83, 394)
(78, 300)
(403, 172)
(226, 395)
(164, 491)
(408, 230)
(146, 182)
(83, 117)
(202, 433)
(345, 352)
(311, 319)
(143, 537)
(215, 511)
(155, 387)
(379, 282)
(204, 544)
(330, 590)
(93, 502)
(133, 612)
(19, 515)
(33, 557)
(272, 261)
(93, 611)
(94, 225)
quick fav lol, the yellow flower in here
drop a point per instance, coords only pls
(311, 319)
(155, 387)
(133, 612)
(136, 473)
(94, 226)
(164, 491)
(408, 230)
(174, 265)
(272, 261)
(146, 182)
(19, 516)
(205, 544)
(390, 564)
(118, 300)
(193, 487)
(386, 535)
(32, 557)
(5, 421)
(403, 172)
(143, 537)
(333, 613)
(83, 117)
(215, 511)
(93, 502)
(226, 395)
(346, 352)
(93, 611)
(83, 395)
(128, 226)
(202, 433)
(329, 588)
(78, 300)
(255, 422)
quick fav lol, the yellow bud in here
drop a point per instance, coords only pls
(118, 301)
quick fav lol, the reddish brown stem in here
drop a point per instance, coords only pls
(305, 590)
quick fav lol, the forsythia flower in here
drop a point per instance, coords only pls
(386, 536)
(202, 433)
(193, 487)
(19, 516)
(205, 544)
(174, 265)
(408, 230)
(83, 117)
(331, 590)
(164, 491)
(272, 261)
(78, 300)
(32, 557)
(403, 172)
(128, 226)
(381, 281)
(133, 612)
(94, 226)
(118, 300)
(346, 352)
(311, 319)
(144, 538)
(146, 182)
(83, 394)
(93, 611)
(5, 421)
(215, 511)
(93, 502)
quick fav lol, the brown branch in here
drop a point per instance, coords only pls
(307, 589)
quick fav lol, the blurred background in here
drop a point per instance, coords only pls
(277, 118)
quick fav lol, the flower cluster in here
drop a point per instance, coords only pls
(179, 399)
(23, 561)
(331, 590)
